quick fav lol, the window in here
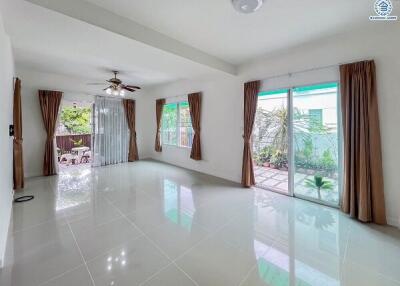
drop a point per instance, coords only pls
(176, 125)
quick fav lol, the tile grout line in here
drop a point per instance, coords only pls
(255, 264)
(143, 235)
(39, 224)
(60, 275)
(80, 252)
(155, 274)
(171, 262)
(210, 234)
(101, 224)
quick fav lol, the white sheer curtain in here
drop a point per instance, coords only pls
(111, 132)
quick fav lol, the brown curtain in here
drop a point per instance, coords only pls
(363, 196)
(129, 106)
(18, 164)
(194, 100)
(49, 104)
(251, 90)
(159, 109)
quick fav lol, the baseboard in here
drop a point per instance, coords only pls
(393, 221)
(196, 171)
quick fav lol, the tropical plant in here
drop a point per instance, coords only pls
(77, 143)
(273, 126)
(318, 183)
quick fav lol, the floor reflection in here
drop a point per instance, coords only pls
(73, 188)
(308, 247)
(178, 204)
(129, 221)
(276, 268)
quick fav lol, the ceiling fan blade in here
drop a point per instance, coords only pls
(132, 86)
(107, 87)
(96, 83)
(128, 88)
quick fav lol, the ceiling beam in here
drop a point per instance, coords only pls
(97, 16)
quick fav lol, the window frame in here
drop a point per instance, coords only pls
(177, 126)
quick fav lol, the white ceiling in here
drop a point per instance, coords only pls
(50, 42)
(214, 27)
(158, 41)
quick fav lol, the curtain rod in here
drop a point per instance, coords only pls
(313, 69)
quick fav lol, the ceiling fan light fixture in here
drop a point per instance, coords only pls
(247, 6)
(116, 87)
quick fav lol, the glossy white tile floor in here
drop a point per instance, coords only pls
(148, 223)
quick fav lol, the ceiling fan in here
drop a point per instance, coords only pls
(116, 86)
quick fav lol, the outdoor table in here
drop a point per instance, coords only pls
(80, 150)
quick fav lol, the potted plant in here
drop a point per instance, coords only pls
(77, 143)
(264, 157)
(319, 183)
(279, 160)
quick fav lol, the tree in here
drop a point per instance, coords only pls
(273, 125)
(76, 119)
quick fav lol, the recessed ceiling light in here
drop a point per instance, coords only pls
(247, 6)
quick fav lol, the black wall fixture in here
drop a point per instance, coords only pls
(11, 130)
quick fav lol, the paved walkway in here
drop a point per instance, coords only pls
(272, 179)
(278, 181)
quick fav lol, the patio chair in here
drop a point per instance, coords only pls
(86, 157)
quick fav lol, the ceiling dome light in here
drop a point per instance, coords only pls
(108, 90)
(247, 6)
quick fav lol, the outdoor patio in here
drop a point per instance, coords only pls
(277, 180)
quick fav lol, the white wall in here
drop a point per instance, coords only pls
(6, 145)
(222, 113)
(220, 123)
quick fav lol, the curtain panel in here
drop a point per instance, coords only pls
(159, 109)
(50, 104)
(129, 107)
(194, 100)
(18, 164)
(251, 90)
(111, 132)
(363, 194)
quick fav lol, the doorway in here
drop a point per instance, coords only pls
(74, 135)
(297, 142)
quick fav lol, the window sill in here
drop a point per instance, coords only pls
(176, 146)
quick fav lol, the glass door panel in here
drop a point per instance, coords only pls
(316, 143)
(270, 141)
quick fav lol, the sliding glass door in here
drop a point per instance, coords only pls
(296, 142)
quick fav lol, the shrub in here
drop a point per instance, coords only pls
(279, 159)
(265, 154)
(327, 162)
